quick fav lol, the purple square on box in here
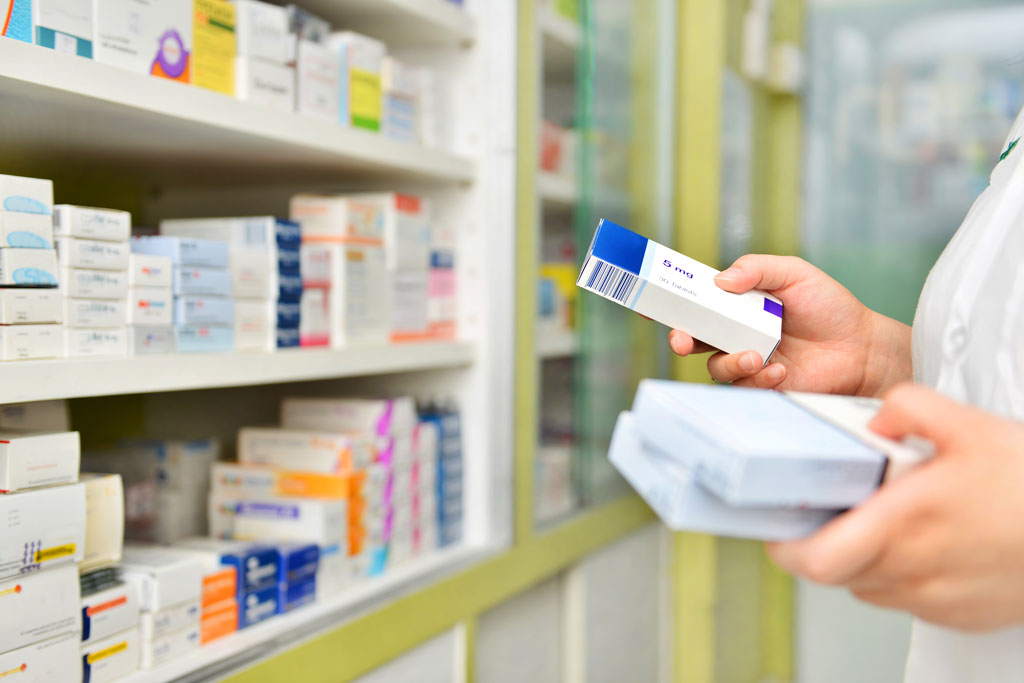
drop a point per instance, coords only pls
(773, 307)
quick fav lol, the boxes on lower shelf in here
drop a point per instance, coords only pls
(165, 577)
(56, 659)
(38, 606)
(29, 460)
(112, 658)
(76, 252)
(169, 620)
(184, 251)
(23, 305)
(104, 515)
(95, 341)
(29, 268)
(91, 223)
(151, 307)
(304, 450)
(169, 647)
(31, 342)
(41, 528)
(95, 313)
(147, 340)
(84, 283)
(25, 230)
(108, 612)
(204, 338)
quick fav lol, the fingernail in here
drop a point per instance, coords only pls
(728, 275)
(776, 371)
(748, 363)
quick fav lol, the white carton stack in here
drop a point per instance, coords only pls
(344, 270)
(204, 313)
(317, 66)
(150, 305)
(93, 243)
(407, 244)
(400, 83)
(29, 301)
(262, 73)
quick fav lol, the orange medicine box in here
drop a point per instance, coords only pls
(219, 586)
(218, 621)
(262, 480)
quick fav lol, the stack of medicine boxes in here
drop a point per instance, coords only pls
(91, 240)
(400, 83)
(30, 304)
(362, 59)
(150, 305)
(317, 66)
(169, 584)
(407, 244)
(449, 470)
(424, 488)
(262, 74)
(264, 271)
(204, 314)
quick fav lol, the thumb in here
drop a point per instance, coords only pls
(763, 271)
(912, 410)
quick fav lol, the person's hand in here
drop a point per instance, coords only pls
(831, 343)
(945, 541)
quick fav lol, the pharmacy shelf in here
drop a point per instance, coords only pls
(278, 633)
(557, 344)
(401, 23)
(63, 111)
(557, 190)
(23, 381)
(560, 39)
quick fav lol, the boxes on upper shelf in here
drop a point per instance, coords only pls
(76, 252)
(28, 268)
(261, 31)
(400, 84)
(214, 46)
(151, 306)
(26, 230)
(104, 515)
(361, 62)
(19, 194)
(19, 21)
(199, 281)
(184, 251)
(65, 26)
(150, 271)
(317, 80)
(150, 340)
(254, 325)
(93, 284)
(39, 606)
(95, 341)
(373, 416)
(149, 38)
(31, 342)
(306, 25)
(95, 313)
(30, 459)
(202, 310)
(267, 84)
(355, 279)
(305, 450)
(204, 338)
(90, 223)
(23, 305)
(41, 528)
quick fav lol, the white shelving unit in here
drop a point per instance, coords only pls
(558, 190)
(406, 23)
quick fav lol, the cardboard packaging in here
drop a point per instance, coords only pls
(26, 195)
(195, 281)
(108, 612)
(165, 577)
(261, 31)
(31, 342)
(143, 341)
(19, 25)
(184, 251)
(150, 306)
(317, 81)
(65, 26)
(260, 481)
(684, 504)
(88, 223)
(95, 341)
(678, 291)
(294, 519)
(38, 606)
(218, 621)
(150, 271)
(41, 528)
(266, 84)
(377, 416)
(306, 25)
(314, 318)
(81, 283)
(297, 561)
(253, 272)
(757, 448)
(110, 659)
(292, 596)
(146, 37)
(95, 313)
(332, 218)
(257, 566)
(304, 450)
(104, 515)
(204, 339)
(213, 36)
(257, 607)
(28, 267)
(168, 621)
(56, 659)
(362, 59)
(354, 276)
(254, 326)
(38, 416)
(75, 252)
(247, 231)
(26, 230)
(24, 305)
(168, 648)
(28, 460)
(202, 310)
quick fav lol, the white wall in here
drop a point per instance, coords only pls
(435, 661)
(521, 639)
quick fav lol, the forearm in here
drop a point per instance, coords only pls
(889, 356)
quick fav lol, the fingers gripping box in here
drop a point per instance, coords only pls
(677, 291)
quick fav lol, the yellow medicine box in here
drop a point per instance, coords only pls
(213, 46)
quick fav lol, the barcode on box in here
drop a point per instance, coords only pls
(609, 281)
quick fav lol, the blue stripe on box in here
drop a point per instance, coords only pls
(618, 246)
(773, 307)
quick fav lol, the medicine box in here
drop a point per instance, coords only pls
(315, 318)
(171, 619)
(684, 504)
(56, 659)
(362, 59)
(265, 84)
(196, 281)
(75, 252)
(293, 519)
(28, 267)
(757, 448)
(409, 306)
(294, 595)
(358, 297)
(38, 416)
(80, 342)
(108, 612)
(378, 416)
(184, 251)
(89, 223)
(180, 464)
(304, 450)
(203, 310)
(65, 26)
(254, 325)
(317, 80)
(38, 606)
(298, 561)
(214, 46)
(219, 586)
(243, 481)
(41, 528)
(336, 218)
(406, 228)
(218, 621)
(678, 291)
(151, 306)
(169, 647)
(249, 231)
(104, 515)
(26, 230)
(26, 195)
(93, 284)
(110, 659)
(31, 342)
(150, 271)
(306, 25)
(204, 338)
(95, 312)
(257, 607)
(145, 36)
(146, 340)
(18, 24)
(165, 577)
(30, 459)
(254, 272)
(261, 31)
(24, 305)
(257, 565)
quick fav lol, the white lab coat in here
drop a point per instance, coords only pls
(968, 343)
